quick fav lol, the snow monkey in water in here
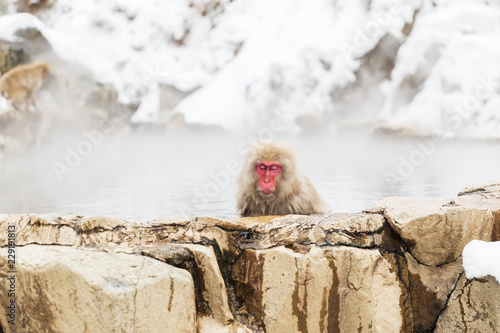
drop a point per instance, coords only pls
(20, 84)
(271, 184)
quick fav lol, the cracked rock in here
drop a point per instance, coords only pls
(473, 307)
(437, 230)
(332, 289)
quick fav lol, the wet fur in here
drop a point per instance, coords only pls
(294, 193)
(20, 84)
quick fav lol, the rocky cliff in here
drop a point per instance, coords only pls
(394, 268)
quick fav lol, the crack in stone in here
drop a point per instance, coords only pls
(135, 292)
(447, 301)
(462, 308)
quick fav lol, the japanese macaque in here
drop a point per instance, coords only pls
(271, 184)
(20, 84)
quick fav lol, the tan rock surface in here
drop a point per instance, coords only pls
(60, 289)
(334, 289)
(213, 288)
(429, 288)
(436, 230)
(357, 229)
(489, 189)
(388, 269)
(361, 229)
(484, 196)
(474, 306)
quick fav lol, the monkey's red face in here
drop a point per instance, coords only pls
(268, 171)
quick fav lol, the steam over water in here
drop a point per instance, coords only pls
(142, 177)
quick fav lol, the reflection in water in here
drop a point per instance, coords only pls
(144, 177)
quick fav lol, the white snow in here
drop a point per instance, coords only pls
(481, 258)
(149, 35)
(252, 58)
(280, 64)
(465, 36)
(149, 108)
(64, 47)
(4, 105)
(283, 44)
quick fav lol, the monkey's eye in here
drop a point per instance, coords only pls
(274, 167)
(262, 167)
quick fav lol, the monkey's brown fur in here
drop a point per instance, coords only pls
(294, 193)
(20, 84)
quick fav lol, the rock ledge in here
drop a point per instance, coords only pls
(394, 268)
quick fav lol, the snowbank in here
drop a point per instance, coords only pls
(64, 47)
(447, 73)
(251, 59)
(149, 42)
(296, 55)
(481, 258)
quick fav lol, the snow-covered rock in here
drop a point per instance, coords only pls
(250, 59)
(447, 74)
(297, 55)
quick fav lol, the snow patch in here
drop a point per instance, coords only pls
(481, 258)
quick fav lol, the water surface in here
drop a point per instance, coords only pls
(141, 177)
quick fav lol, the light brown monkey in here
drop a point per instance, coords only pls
(20, 84)
(271, 184)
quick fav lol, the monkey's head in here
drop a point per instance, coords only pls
(44, 68)
(270, 164)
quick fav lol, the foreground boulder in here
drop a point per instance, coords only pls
(331, 289)
(63, 289)
(395, 268)
(437, 230)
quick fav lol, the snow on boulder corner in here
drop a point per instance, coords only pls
(481, 258)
